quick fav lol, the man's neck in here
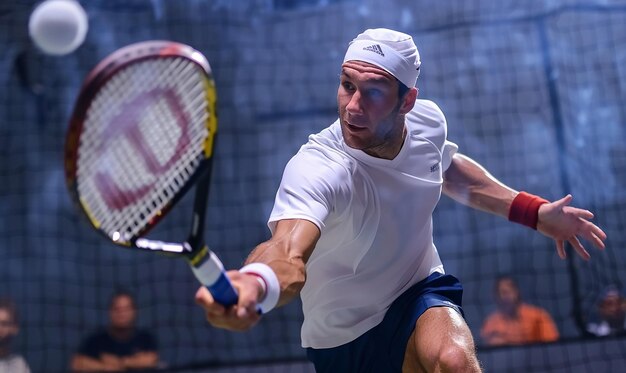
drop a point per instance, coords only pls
(121, 333)
(390, 149)
(510, 312)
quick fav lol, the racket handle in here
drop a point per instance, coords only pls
(223, 291)
(209, 270)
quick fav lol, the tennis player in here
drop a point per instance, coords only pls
(352, 226)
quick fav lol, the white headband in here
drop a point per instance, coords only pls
(385, 57)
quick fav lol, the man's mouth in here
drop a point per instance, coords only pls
(355, 127)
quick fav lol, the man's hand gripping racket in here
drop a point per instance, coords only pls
(141, 134)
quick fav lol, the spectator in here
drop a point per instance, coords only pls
(120, 346)
(10, 362)
(515, 322)
(612, 313)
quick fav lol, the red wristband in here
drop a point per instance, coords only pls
(525, 209)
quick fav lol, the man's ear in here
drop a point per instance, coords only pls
(408, 101)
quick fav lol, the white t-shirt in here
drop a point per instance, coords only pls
(602, 329)
(375, 218)
(13, 364)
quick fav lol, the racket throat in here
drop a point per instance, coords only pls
(167, 247)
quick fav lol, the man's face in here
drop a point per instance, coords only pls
(507, 295)
(613, 308)
(122, 313)
(8, 328)
(368, 107)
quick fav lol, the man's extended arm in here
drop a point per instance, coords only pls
(468, 182)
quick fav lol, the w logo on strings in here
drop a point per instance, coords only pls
(375, 48)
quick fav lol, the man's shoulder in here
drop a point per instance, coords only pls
(328, 138)
(426, 113)
(324, 150)
(427, 109)
(427, 120)
(14, 363)
(426, 104)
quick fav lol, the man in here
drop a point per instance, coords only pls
(515, 322)
(612, 312)
(352, 228)
(119, 347)
(9, 327)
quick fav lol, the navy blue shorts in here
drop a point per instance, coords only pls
(381, 349)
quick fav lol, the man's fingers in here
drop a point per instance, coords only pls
(239, 317)
(564, 201)
(594, 239)
(560, 249)
(593, 234)
(231, 320)
(248, 298)
(585, 214)
(598, 232)
(575, 242)
(205, 299)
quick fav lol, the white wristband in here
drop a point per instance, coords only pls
(271, 284)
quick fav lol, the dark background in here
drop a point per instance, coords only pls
(534, 90)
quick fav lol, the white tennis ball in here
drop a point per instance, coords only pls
(58, 27)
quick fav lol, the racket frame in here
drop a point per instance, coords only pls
(204, 263)
(96, 79)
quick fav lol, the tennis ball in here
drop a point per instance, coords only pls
(58, 27)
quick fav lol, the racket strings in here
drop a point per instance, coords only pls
(142, 140)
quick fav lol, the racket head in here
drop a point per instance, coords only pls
(142, 131)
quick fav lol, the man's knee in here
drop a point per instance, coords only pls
(457, 357)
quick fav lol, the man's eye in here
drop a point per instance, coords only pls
(375, 93)
(348, 86)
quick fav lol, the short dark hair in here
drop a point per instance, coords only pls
(8, 305)
(402, 89)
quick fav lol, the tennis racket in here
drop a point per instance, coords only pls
(141, 135)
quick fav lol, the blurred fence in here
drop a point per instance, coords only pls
(533, 90)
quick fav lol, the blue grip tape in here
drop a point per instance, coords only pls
(223, 292)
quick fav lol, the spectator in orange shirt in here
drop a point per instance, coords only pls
(515, 322)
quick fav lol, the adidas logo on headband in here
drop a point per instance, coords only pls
(392, 51)
(374, 48)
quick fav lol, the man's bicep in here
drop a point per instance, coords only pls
(453, 175)
(468, 182)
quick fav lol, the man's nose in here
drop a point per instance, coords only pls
(354, 106)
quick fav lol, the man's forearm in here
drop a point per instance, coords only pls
(289, 269)
(82, 363)
(141, 360)
(286, 253)
(469, 183)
